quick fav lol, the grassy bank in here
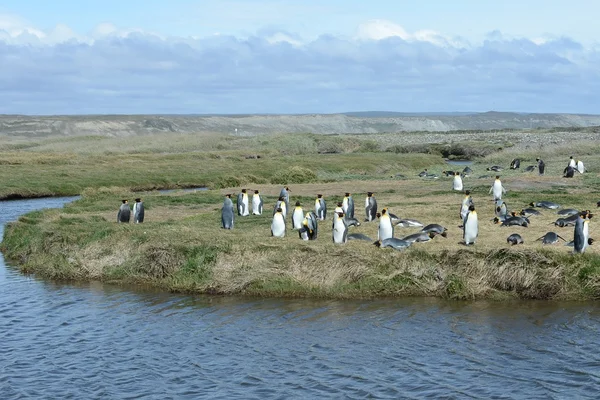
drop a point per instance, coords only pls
(181, 246)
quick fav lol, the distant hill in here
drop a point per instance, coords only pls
(354, 122)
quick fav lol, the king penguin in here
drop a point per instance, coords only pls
(497, 189)
(297, 216)
(227, 214)
(470, 226)
(572, 162)
(581, 234)
(340, 229)
(458, 183)
(242, 204)
(541, 166)
(580, 167)
(124, 214)
(370, 207)
(138, 211)
(348, 205)
(278, 224)
(320, 207)
(257, 203)
(285, 193)
(466, 202)
(386, 228)
(280, 204)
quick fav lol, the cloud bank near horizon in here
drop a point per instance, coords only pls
(381, 67)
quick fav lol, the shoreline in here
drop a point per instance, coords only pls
(185, 251)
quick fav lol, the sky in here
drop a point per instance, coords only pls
(283, 56)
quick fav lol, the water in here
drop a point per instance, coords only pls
(96, 341)
(459, 162)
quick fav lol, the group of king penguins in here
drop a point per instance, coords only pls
(306, 224)
(579, 219)
(124, 213)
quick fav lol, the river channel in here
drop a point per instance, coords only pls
(96, 341)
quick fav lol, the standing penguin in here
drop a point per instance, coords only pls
(280, 204)
(497, 189)
(297, 216)
(572, 162)
(278, 224)
(138, 211)
(580, 167)
(124, 214)
(312, 223)
(348, 205)
(340, 229)
(257, 203)
(581, 234)
(568, 172)
(320, 207)
(470, 226)
(466, 202)
(285, 193)
(227, 214)
(370, 207)
(541, 166)
(386, 228)
(242, 204)
(457, 184)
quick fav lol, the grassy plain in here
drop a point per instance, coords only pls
(181, 246)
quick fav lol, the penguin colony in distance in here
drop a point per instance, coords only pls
(306, 224)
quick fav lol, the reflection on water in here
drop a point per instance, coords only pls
(95, 340)
(459, 162)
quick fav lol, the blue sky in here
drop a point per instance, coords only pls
(68, 57)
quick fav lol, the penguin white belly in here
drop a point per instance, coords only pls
(256, 210)
(283, 209)
(458, 184)
(339, 231)
(580, 167)
(586, 234)
(246, 210)
(386, 229)
(497, 191)
(278, 225)
(464, 210)
(572, 163)
(345, 205)
(471, 228)
(297, 218)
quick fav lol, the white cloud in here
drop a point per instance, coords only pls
(116, 70)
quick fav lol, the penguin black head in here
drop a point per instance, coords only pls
(281, 198)
(138, 200)
(339, 204)
(228, 195)
(297, 204)
(347, 194)
(383, 211)
(288, 189)
(369, 194)
(598, 204)
(319, 196)
(377, 243)
(255, 191)
(243, 190)
(570, 158)
(537, 159)
(531, 204)
(497, 176)
(590, 241)
(279, 209)
(444, 234)
(513, 213)
(378, 215)
(472, 207)
(431, 234)
(340, 214)
(124, 201)
(496, 220)
(467, 192)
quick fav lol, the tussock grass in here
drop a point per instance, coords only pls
(181, 247)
